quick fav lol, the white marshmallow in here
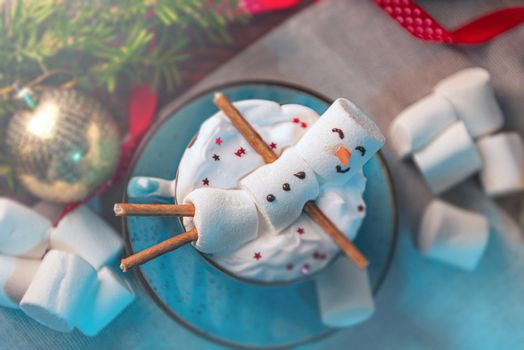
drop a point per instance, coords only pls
(503, 168)
(224, 219)
(15, 276)
(471, 94)
(59, 288)
(271, 179)
(361, 136)
(419, 123)
(85, 234)
(449, 159)
(453, 235)
(111, 296)
(23, 232)
(344, 294)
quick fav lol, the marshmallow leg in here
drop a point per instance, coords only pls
(471, 94)
(453, 235)
(111, 297)
(342, 125)
(23, 232)
(56, 294)
(85, 234)
(503, 163)
(419, 123)
(224, 219)
(344, 294)
(282, 188)
(15, 276)
(448, 159)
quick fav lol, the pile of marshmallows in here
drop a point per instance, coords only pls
(59, 276)
(452, 134)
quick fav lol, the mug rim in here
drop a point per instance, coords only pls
(162, 117)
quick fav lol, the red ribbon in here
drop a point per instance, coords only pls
(424, 27)
(142, 107)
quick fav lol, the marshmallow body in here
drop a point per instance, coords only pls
(280, 189)
(471, 94)
(343, 124)
(344, 294)
(453, 235)
(503, 163)
(111, 296)
(23, 232)
(419, 123)
(15, 276)
(58, 290)
(85, 234)
(224, 219)
(448, 159)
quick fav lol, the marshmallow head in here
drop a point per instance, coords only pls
(340, 142)
(282, 188)
(224, 219)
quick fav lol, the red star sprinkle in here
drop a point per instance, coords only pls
(289, 267)
(218, 141)
(304, 125)
(216, 157)
(301, 231)
(240, 152)
(257, 256)
(360, 207)
(273, 145)
(296, 120)
(205, 182)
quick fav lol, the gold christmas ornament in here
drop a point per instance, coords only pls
(63, 148)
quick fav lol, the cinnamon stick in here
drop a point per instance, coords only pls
(261, 147)
(128, 209)
(158, 249)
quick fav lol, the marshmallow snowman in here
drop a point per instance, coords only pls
(329, 153)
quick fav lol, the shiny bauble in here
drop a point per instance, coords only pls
(64, 148)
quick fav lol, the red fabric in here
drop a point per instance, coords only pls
(142, 107)
(422, 26)
(260, 6)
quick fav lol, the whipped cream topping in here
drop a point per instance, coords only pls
(220, 157)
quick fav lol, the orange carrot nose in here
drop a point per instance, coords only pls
(343, 155)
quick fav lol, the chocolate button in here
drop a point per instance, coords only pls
(270, 198)
(286, 187)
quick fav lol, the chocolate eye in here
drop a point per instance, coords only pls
(270, 198)
(339, 132)
(301, 175)
(286, 187)
(361, 149)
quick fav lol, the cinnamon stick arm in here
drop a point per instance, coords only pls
(158, 249)
(128, 209)
(245, 129)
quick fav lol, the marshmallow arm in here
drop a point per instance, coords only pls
(224, 219)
